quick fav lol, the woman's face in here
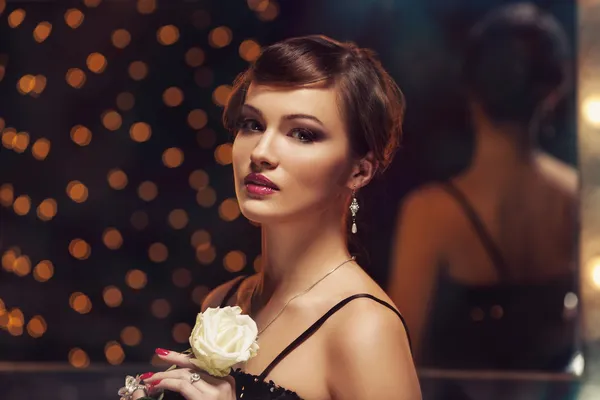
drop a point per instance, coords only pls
(291, 155)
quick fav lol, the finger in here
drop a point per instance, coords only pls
(179, 373)
(138, 394)
(185, 388)
(173, 357)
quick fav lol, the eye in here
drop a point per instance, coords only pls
(304, 135)
(249, 125)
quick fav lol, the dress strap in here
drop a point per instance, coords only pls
(480, 229)
(232, 291)
(314, 327)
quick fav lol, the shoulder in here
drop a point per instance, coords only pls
(426, 202)
(369, 354)
(560, 175)
(216, 297)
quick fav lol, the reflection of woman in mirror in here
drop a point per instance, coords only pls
(484, 264)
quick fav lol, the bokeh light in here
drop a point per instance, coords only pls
(7, 195)
(147, 191)
(181, 332)
(78, 358)
(36, 327)
(42, 31)
(80, 303)
(16, 17)
(167, 35)
(182, 277)
(111, 120)
(136, 279)
(96, 63)
(47, 209)
(77, 191)
(258, 263)
(22, 266)
(39, 85)
(172, 157)
(178, 219)
(198, 179)
(158, 252)
(229, 209)
(200, 240)
(258, 5)
(121, 38)
(92, 3)
(223, 154)
(221, 95)
(173, 97)
(199, 294)
(125, 101)
(206, 256)
(112, 296)
(234, 261)
(80, 249)
(41, 149)
(22, 205)
(138, 70)
(220, 37)
(160, 308)
(249, 50)
(117, 179)
(270, 13)
(20, 142)
(146, 6)
(112, 238)
(43, 271)
(81, 135)
(114, 353)
(206, 197)
(140, 132)
(74, 18)
(194, 57)
(75, 77)
(197, 119)
(131, 336)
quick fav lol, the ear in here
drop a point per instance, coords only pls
(363, 171)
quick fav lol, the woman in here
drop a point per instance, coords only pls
(314, 121)
(484, 265)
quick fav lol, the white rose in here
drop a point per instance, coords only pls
(221, 338)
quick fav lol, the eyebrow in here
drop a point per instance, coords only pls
(288, 117)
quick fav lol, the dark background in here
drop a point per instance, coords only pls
(419, 42)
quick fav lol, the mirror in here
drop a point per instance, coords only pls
(485, 254)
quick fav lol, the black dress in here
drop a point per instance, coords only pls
(502, 326)
(255, 387)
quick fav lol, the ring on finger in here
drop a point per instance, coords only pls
(195, 377)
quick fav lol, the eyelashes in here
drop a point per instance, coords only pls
(304, 135)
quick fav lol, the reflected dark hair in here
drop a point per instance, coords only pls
(370, 101)
(516, 57)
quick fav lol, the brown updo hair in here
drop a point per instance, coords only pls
(371, 102)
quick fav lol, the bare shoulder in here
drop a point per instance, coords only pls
(368, 352)
(216, 297)
(427, 202)
(559, 174)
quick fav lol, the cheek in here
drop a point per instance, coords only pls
(318, 172)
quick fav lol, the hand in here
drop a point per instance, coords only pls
(178, 380)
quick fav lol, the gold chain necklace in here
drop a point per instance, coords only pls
(303, 292)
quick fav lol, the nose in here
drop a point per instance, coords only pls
(263, 155)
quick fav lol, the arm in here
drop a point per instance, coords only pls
(369, 356)
(415, 259)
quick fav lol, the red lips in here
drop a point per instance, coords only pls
(260, 180)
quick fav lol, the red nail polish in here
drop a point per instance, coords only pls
(146, 375)
(152, 385)
(162, 352)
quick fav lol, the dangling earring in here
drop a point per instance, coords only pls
(354, 209)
